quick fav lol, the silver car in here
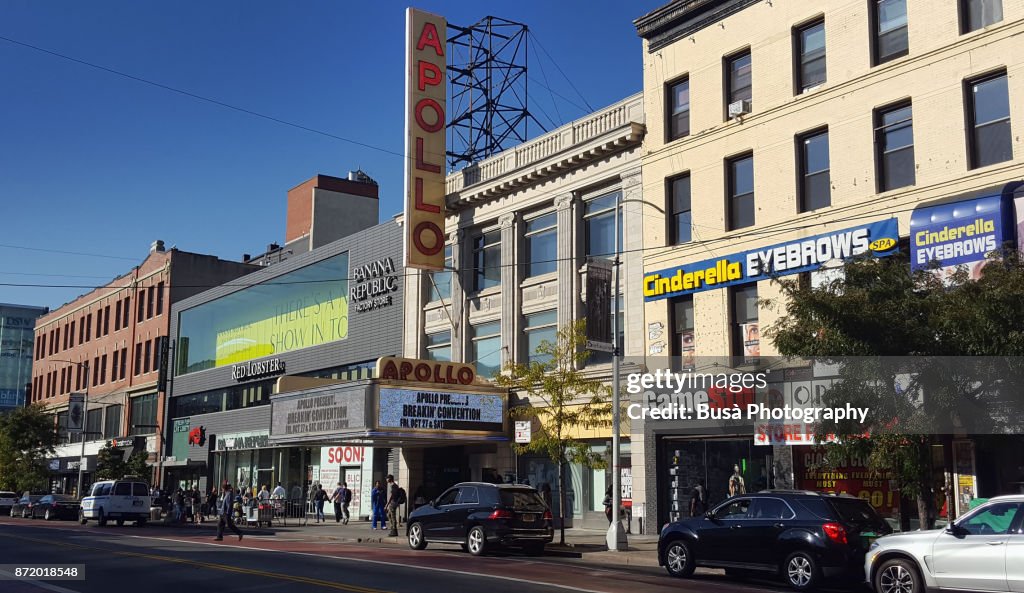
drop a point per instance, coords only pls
(981, 551)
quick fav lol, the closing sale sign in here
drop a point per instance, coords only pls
(793, 257)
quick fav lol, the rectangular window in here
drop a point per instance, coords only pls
(72, 339)
(148, 356)
(157, 345)
(65, 336)
(88, 327)
(679, 109)
(160, 298)
(441, 287)
(56, 340)
(439, 346)
(487, 260)
(117, 315)
(94, 424)
(150, 298)
(894, 143)
(114, 364)
(141, 313)
(78, 377)
(142, 414)
(810, 45)
(106, 320)
(890, 22)
(486, 339)
(103, 369)
(95, 371)
(978, 14)
(599, 216)
(745, 330)
(138, 359)
(541, 244)
(99, 322)
(81, 330)
(991, 140)
(741, 192)
(126, 311)
(680, 210)
(540, 327)
(112, 421)
(738, 79)
(815, 186)
(63, 379)
(124, 363)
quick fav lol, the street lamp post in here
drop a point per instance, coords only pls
(85, 420)
(616, 536)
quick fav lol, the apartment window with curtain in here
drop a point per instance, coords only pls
(894, 144)
(486, 348)
(537, 328)
(815, 185)
(487, 260)
(678, 109)
(680, 210)
(744, 319)
(599, 225)
(991, 140)
(112, 421)
(810, 45)
(891, 39)
(978, 14)
(142, 414)
(738, 79)
(441, 285)
(439, 346)
(541, 244)
(741, 191)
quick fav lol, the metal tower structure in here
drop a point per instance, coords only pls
(487, 89)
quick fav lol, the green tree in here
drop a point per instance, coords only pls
(27, 438)
(562, 399)
(877, 312)
(111, 464)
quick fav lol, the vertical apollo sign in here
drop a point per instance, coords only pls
(426, 66)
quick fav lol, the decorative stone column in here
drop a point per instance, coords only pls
(457, 308)
(568, 276)
(509, 285)
(632, 261)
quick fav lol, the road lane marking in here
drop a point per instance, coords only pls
(210, 565)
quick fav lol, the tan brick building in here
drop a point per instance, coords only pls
(108, 342)
(770, 122)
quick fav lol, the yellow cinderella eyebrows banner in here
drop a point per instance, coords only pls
(317, 318)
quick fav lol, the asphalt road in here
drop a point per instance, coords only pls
(151, 560)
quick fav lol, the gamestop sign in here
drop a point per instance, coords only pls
(425, 66)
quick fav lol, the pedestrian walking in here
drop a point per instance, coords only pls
(211, 503)
(179, 505)
(378, 496)
(336, 499)
(197, 506)
(346, 499)
(393, 502)
(225, 519)
(318, 501)
(698, 500)
(608, 504)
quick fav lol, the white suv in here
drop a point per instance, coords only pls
(120, 500)
(981, 551)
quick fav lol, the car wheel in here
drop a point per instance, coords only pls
(534, 549)
(801, 571)
(678, 559)
(102, 520)
(47, 516)
(476, 541)
(416, 539)
(12, 512)
(81, 518)
(897, 576)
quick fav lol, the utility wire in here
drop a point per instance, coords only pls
(559, 68)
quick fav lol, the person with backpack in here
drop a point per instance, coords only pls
(396, 498)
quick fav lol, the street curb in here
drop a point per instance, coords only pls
(212, 529)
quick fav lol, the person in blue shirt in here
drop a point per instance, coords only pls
(378, 496)
(225, 519)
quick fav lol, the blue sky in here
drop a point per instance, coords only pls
(96, 163)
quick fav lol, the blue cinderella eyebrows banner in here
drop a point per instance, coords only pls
(959, 234)
(792, 257)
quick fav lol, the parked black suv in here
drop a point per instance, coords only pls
(804, 537)
(481, 516)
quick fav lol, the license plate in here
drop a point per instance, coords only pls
(529, 518)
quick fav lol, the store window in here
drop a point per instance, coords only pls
(978, 14)
(745, 329)
(439, 346)
(741, 191)
(599, 225)
(679, 109)
(991, 140)
(894, 144)
(815, 184)
(890, 21)
(142, 414)
(539, 327)
(810, 45)
(486, 348)
(680, 210)
(441, 282)
(541, 244)
(487, 260)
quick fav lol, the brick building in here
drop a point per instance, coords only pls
(107, 343)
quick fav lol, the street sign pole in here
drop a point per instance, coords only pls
(616, 536)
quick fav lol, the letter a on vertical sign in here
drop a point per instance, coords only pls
(426, 74)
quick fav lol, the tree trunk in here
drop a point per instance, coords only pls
(561, 500)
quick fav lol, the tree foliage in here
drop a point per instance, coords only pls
(563, 399)
(908, 339)
(111, 464)
(27, 439)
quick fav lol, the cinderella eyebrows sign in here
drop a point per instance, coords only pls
(426, 66)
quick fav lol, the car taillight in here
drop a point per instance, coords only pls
(547, 516)
(500, 514)
(835, 532)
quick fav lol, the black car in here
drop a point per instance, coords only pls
(23, 507)
(804, 537)
(481, 516)
(56, 506)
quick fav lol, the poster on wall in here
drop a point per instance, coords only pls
(851, 476)
(751, 342)
(354, 480)
(957, 236)
(963, 464)
(626, 486)
(689, 351)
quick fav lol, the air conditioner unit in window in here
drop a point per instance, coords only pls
(738, 108)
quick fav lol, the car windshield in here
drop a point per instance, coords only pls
(521, 499)
(858, 513)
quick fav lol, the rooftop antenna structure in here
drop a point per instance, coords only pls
(487, 89)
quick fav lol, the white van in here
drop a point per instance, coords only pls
(120, 500)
